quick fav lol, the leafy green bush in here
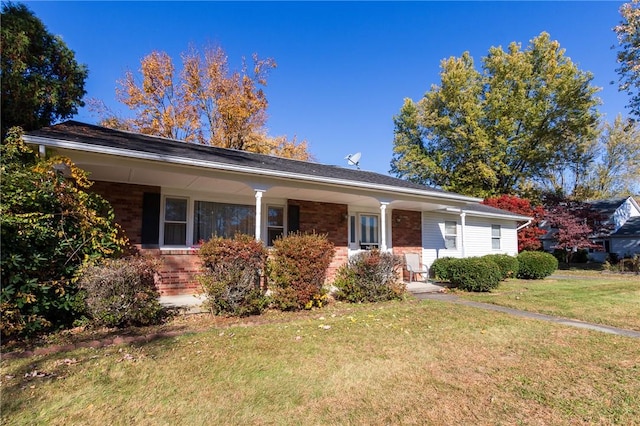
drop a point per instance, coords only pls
(231, 281)
(508, 264)
(297, 270)
(50, 225)
(122, 292)
(536, 265)
(474, 274)
(440, 268)
(369, 276)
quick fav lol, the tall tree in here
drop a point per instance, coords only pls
(40, 78)
(493, 132)
(628, 56)
(617, 171)
(205, 102)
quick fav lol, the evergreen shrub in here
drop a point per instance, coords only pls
(440, 268)
(508, 264)
(536, 265)
(232, 272)
(297, 270)
(474, 274)
(369, 276)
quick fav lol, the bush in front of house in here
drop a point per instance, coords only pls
(231, 280)
(298, 269)
(122, 292)
(51, 225)
(508, 265)
(370, 276)
(536, 265)
(440, 268)
(474, 274)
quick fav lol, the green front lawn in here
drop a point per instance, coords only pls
(411, 362)
(603, 298)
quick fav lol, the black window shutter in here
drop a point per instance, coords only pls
(150, 218)
(293, 218)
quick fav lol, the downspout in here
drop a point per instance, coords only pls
(463, 216)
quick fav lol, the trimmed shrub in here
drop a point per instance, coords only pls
(369, 276)
(231, 281)
(440, 268)
(474, 274)
(122, 292)
(297, 270)
(508, 264)
(536, 265)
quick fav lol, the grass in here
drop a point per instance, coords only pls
(411, 362)
(602, 298)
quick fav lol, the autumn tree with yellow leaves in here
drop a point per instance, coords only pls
(205, 102)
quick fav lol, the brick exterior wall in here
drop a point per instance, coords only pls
(180, 267)
(330, 219)
(406, 234)
(126, 200)
(178, 271)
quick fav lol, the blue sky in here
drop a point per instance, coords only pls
(344, 68)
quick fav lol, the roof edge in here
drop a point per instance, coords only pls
(99, 149)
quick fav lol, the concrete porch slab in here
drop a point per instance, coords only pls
(417, 287)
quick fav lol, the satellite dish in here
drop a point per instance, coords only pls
(354, 159)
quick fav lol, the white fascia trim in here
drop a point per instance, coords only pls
(79, 146)
(486, 214)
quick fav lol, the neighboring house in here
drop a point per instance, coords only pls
(618, 232)
(170, 195)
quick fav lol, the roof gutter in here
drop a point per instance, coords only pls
(524, 225)
(486, 214)
(98, 149)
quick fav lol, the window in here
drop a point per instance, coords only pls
(450, 234)
(222, 220)
(369, 231)
(495, 237)
(175, 221)
(275, 224)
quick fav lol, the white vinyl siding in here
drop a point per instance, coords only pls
(479, 236)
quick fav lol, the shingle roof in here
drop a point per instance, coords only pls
(607, 207)
(631, 228)
(105, 137)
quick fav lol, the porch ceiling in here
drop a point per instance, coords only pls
(185, 178)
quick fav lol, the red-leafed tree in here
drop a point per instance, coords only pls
(529, 236)
(572, 230)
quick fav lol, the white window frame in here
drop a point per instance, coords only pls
(266, 222)
(450, 236)
(188, 223)
(354, 229)
(495, 238)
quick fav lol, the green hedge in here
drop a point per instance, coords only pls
(536, 265)
(508, 265)
(440, 268)
(474, 274)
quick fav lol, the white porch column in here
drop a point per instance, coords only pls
(259, 214)
(383, 226)
(462, 226)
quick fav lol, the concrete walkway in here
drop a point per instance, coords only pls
(451, 298)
